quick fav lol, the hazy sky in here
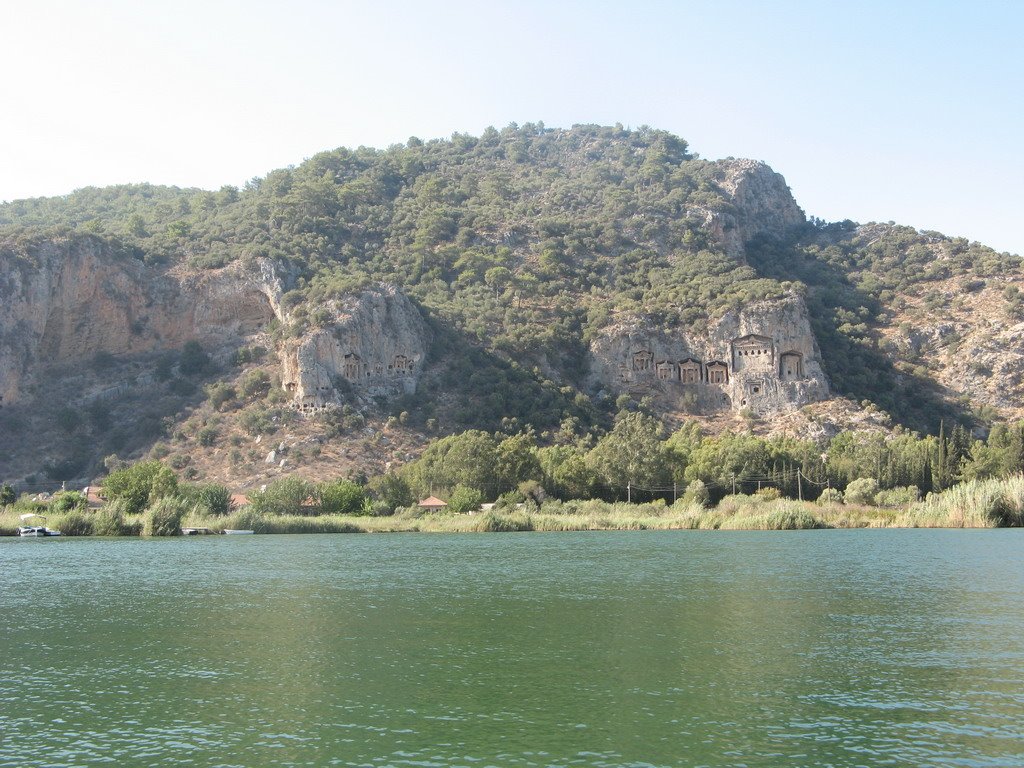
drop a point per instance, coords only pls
(873, 111)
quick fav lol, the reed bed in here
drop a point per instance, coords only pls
(978, 503)
(974, 504)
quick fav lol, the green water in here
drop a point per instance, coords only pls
(808, 648)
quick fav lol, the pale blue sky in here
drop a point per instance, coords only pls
(879, 111)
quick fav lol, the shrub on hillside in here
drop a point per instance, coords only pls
(255, 383)
(861, 491)
(68, 419)
(220, 393)
(193, 359)
(256, 421)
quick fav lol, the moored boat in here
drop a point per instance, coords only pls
(35, 531)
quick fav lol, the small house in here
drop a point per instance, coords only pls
(94, 496)
(432, 504)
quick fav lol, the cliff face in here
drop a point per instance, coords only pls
(75, 298)
(763, 358)
(375, 345)
(761, 204)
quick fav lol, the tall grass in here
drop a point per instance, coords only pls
(974, 504)
(979, 503)
(779, 516)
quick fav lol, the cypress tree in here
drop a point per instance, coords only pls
(941, 458)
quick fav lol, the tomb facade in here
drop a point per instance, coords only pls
(691, 371)
(642, 360)
(376, 347)
(753, 352)
(791, 366)
(762, 357)
(718, 372)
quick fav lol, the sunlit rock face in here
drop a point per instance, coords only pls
(761, 204)
(68, 299)
(762, 358)
(373, 344)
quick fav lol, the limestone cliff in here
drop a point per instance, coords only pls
(72, 299)
(762, 358)
(69, 299)
(760, 204)
(375, 344)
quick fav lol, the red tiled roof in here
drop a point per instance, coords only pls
(432, 501)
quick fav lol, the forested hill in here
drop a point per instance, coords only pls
(523, 244)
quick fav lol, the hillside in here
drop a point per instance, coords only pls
(343, 312)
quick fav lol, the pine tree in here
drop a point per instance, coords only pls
(959, 452)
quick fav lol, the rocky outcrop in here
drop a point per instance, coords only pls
(66, 300)
(968, 338)
(375, 344)
(762, 358)
(760, 204)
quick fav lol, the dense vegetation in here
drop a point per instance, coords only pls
(638, 461)
(520, 245)
(684, 480)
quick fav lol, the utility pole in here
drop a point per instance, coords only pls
(799, 486)
(674, 492)
(629, 491)
(733, 483)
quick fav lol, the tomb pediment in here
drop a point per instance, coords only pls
(752, 340)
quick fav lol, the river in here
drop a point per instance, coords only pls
(803, 648)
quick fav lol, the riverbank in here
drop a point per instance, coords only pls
(976, 504)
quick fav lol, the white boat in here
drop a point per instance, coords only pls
(36, 531)
(236, 531)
